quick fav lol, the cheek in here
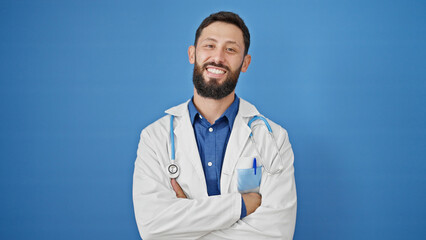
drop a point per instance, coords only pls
(201, 57)
(237, 63)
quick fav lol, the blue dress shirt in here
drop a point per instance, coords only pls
(212, 140)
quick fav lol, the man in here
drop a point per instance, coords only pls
(227, 186)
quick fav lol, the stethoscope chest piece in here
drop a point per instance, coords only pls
(173, 170)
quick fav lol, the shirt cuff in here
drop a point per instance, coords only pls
(243, 209)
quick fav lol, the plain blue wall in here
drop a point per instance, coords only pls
(79, 80)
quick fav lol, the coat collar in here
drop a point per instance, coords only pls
(178, 110)
(246, 109)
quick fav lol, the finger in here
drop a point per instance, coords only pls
(178, 190)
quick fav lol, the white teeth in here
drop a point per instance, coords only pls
(215, 71)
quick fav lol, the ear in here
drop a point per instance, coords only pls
(191, 54)
(246, 63)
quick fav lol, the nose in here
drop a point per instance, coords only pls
(218, 55)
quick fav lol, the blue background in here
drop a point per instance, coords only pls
(79, 80)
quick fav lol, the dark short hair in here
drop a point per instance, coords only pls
(227, 17)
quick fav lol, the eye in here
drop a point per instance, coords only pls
(209, 46)
(230, 50)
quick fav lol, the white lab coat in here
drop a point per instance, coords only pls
(160, 215)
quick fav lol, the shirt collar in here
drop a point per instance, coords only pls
(230, 113)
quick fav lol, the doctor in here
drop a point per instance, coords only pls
(234, 181)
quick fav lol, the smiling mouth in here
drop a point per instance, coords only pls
(215, 70)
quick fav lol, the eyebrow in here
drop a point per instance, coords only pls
(214, 40)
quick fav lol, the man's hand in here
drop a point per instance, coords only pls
(178, 190)
(252, 201)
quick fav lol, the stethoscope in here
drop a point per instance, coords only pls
(174, 170)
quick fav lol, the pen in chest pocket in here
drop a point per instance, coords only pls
(254, 166)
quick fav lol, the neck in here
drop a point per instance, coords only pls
(212, 109)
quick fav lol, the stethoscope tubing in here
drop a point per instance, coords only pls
(175, 166)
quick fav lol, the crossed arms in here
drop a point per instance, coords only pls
(164, 212)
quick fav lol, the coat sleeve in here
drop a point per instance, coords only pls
(276, 217)
(160, 215)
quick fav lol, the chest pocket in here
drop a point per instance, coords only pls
(249, 179)
(248, 175)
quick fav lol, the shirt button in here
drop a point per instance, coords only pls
(210, 164)
(201, 117)
(210, 129)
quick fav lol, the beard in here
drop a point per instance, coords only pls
(214, 89)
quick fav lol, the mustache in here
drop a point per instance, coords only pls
(216, 65)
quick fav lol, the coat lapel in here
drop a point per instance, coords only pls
(186, 146)
(239, 136)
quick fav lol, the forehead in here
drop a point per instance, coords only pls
(222, 31)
